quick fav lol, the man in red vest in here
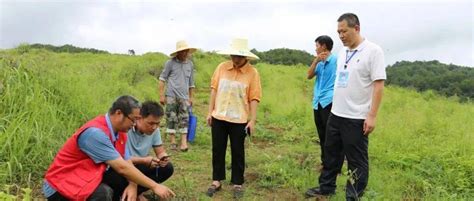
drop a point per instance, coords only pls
(77, 170)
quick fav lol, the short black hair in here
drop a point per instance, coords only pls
(125, 104)
(325, 40)
(151, 108)
(351, 19)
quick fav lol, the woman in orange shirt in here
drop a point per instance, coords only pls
(235, 94)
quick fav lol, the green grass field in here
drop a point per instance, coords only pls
(422, 148)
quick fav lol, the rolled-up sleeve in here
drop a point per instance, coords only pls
(191, 78)
(166, 71)
(255, 89)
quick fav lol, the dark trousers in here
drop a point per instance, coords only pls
(321, 116)
(102, 193)
(118, 183)
(345, 137)
(221, 130)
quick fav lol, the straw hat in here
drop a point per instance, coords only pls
(182, 45)
(239, 46)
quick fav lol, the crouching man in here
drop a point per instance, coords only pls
(77, 170)
(142, 137)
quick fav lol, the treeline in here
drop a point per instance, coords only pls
(66, 48)
(284, 56)
(448, 80)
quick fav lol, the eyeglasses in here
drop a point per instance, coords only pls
(133, 120)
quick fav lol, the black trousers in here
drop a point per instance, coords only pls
(321, 116)
(221, 130)
(345, 137)
(102, 193)
(118, 183)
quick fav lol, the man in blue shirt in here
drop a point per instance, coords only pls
(142, 137)
(324, 68)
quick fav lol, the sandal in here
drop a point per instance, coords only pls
(238, 192)
(174, 147)
(213, 189)
(184, 150)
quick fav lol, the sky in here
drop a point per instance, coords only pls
(405, 29)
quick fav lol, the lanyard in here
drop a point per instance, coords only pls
(347, 60)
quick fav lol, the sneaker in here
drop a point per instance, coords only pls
(313, 192)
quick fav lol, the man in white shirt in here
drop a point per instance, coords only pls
(358, 93)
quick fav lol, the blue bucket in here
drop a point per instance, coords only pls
(192, 125)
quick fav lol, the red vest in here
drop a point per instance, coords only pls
(73, 173)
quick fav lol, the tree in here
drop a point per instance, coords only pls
(284, 56)
(448, 80)
(66, 48)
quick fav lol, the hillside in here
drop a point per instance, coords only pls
(420, 149)
(284, 56)
(448, 80)
(64, 48)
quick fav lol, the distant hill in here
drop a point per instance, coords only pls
(66, 48)
(448, 80)
(284, 56)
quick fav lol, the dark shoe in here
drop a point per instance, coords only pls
(213, 189)
(238, 192)
(313, 192)
(184, 150)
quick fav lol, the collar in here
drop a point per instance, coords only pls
(243, 69)
(135, 130)
(111, 128)
(329, 58)
(179, 61)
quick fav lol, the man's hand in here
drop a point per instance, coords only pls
(162, 100)
(323, 56)
(163, 191)
(369, 124)
(130, 193)
(151, 161)
(164, 160)
(190, 102)
(316, 60)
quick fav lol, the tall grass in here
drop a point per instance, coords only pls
(421, 148)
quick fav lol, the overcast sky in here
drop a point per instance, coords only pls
(406, 30)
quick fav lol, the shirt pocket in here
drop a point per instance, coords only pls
(362, 69)
(187, 72)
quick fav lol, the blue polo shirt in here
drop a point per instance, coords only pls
(139, 144)
(324, 85)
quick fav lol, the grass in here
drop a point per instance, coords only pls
(421, 148)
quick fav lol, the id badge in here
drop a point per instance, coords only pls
(342, 79)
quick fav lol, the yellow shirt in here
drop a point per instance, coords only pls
(235, 89)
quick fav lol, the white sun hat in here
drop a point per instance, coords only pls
(182, 45)
(239, 46)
